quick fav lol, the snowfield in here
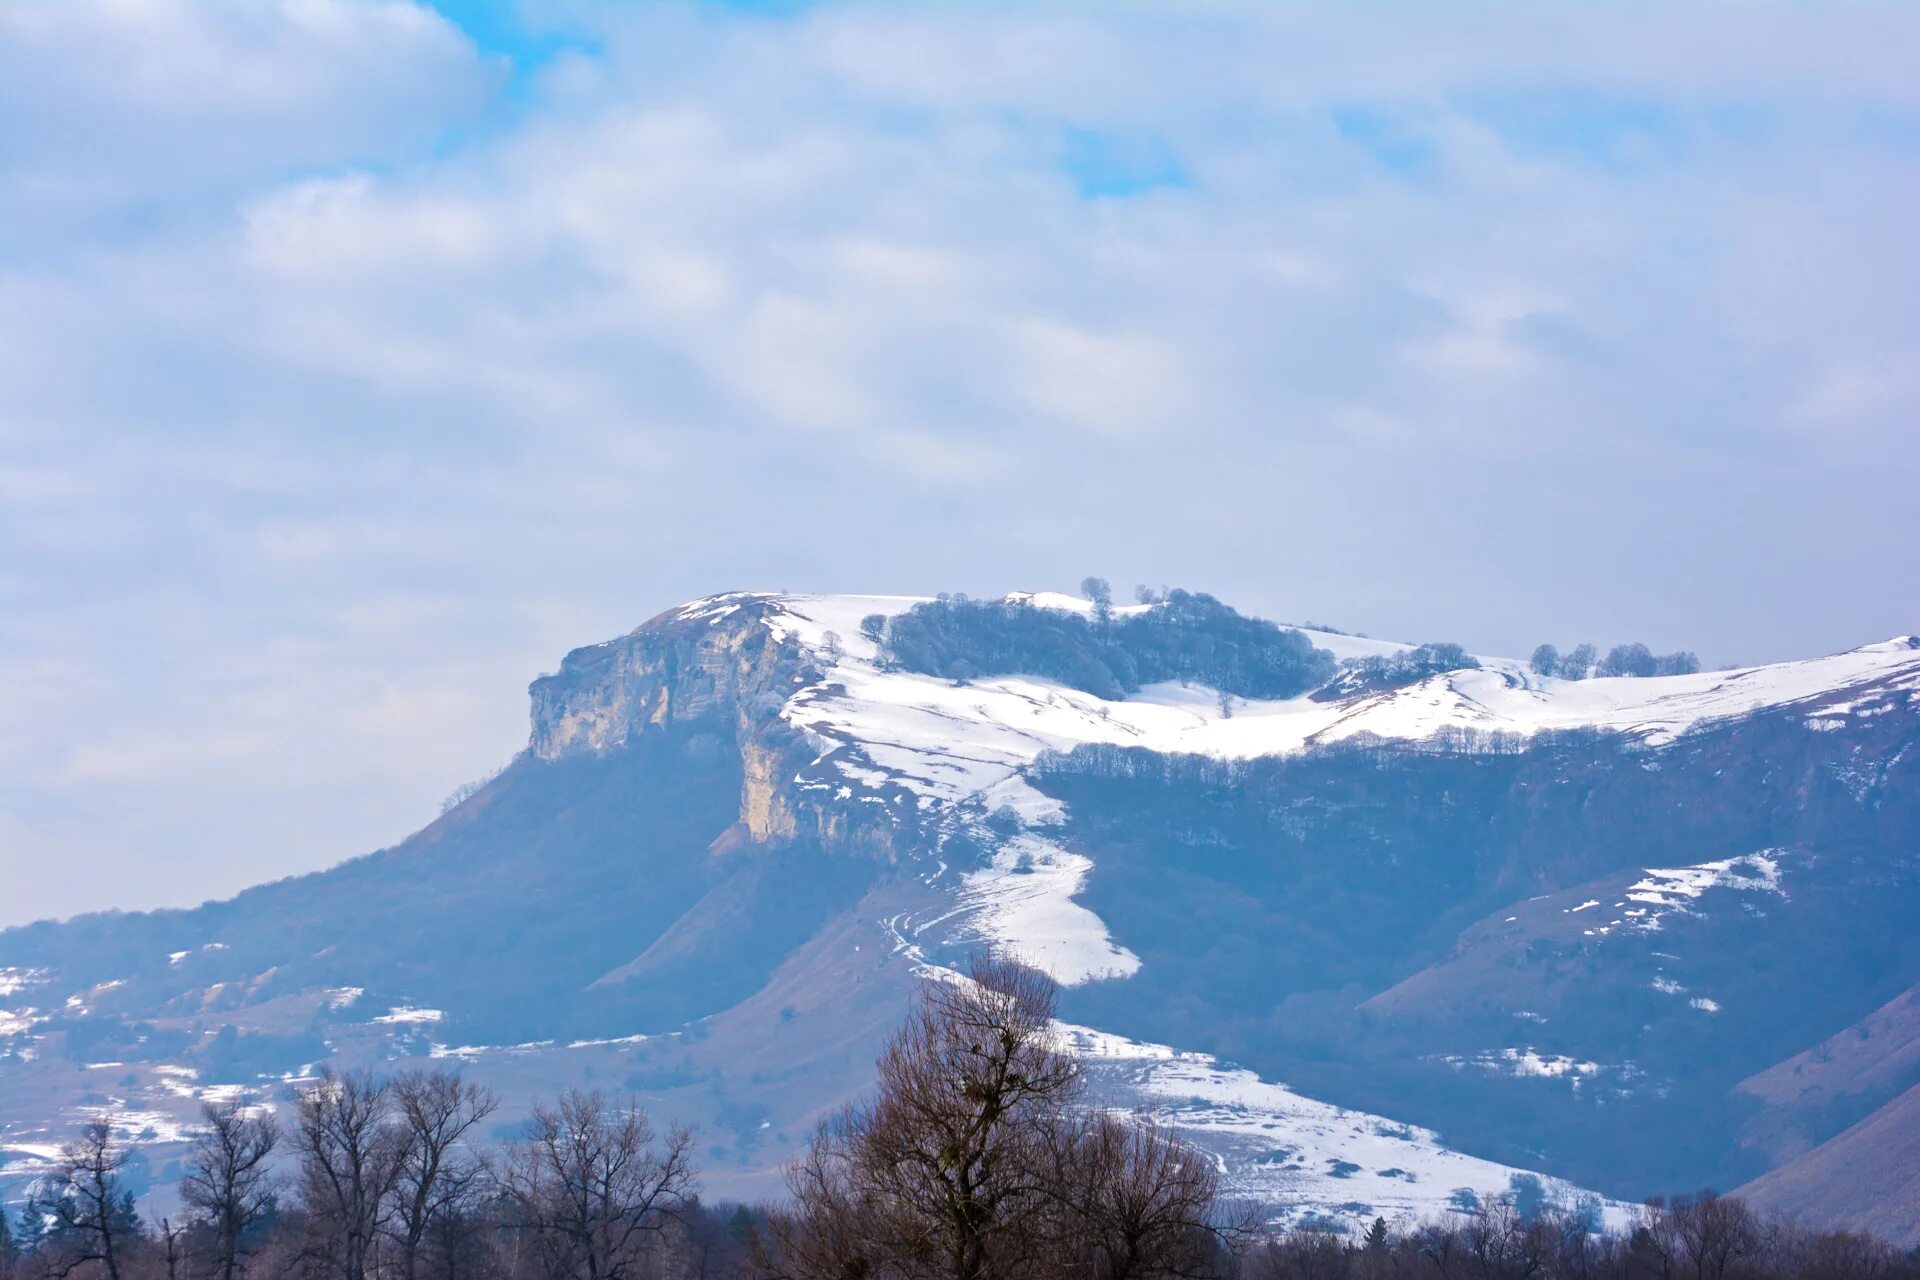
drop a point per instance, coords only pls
(963, 749)
(909, 723)
(1311, 1160)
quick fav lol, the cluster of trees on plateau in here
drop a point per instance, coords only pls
(1390, 671)
(1584, 660)
(1185, 635)
(979, 1157)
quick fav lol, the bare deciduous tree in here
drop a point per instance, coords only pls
(1101, 594)
(976, 1158)
(1578, 663)
(227, 1185)
(1713, 1233)
(1138, 1200)
(1836, 1255)
(1504, 1244)
(347, 1158)
(1305, 1254)
(172, 1247)
(592, 1188)
(88, 1208)
(950, 1160)
(433, 1175)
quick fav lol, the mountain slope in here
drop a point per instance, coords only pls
(1867, 1079)
(1865, 1177)
(739, 832)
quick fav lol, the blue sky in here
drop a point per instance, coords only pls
(358, 359)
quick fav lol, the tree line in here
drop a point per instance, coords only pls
(978, 1157)
(378, 1179)
(1693, 1237)
(1187, 635)
(1378, 672)
(1584, 660)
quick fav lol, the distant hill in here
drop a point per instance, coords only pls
(1497, 931)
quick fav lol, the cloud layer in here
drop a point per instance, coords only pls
(350, 371)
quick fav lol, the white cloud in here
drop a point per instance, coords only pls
(1100, 382)
(1854, 391)
(122, 112)
(339, 394)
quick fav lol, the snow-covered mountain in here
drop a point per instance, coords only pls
(1496, 931)
(967, 747)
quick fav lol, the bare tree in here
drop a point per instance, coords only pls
(1438, 1245)
(1313, 1253)
(835, 1229)
(347, 1158)
(1138, 1200)
(975, 1159)
(1097, 591)
(433, 1175)
(1837, 1255)
(592, 1188)
(226, 1184)
(87, 1207)
(1504, 1244)
(1628, 660)
(954, 1147)
(173, 1247)
(1713, 1233)
(1681, 662)
(1578, 663)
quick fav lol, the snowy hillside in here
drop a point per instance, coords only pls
(1470, 943)
(906, 712)
(1308, 1160)
(962, 747)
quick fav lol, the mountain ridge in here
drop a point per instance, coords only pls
(740, 829)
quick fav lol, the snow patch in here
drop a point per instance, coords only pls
(406, 1015)
(1024, 901)
(1666, 891)
(1310, 1159)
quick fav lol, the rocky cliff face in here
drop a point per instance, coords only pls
(712, 666)
(717, 667)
